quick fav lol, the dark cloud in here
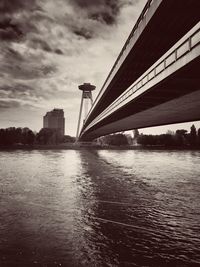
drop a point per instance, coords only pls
(105, 11)
(48, 69)
(26, 71)
(6, 88)
(58, 51)
(40, 15)
(13, 54)
(15, 22)
(39, 43)
(25, 66)
(15, 30)
(17, 91)
(12, 6)
(88, 3)
(9, 31)
(114, 4)
(4, 104)
(16, 88)
(83, 32)
(104, 17)
(25, 93)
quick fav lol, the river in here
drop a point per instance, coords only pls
(99, 208)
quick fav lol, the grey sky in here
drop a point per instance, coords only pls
(49, 47)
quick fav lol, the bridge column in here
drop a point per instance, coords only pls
(86, 89)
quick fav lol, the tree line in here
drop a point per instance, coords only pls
(118, 139)
(12, 135)
(181, 138)
(25, 136)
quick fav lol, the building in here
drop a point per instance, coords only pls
(55, 120)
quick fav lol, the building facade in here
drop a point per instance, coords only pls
(55, 120)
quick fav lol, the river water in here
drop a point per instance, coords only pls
(99, 208)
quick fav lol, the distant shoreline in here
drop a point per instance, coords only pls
(72, 146)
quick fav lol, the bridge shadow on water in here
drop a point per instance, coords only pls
(125, 220)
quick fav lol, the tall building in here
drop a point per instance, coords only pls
(55, 120)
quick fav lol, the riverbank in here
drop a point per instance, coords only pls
(74, 146)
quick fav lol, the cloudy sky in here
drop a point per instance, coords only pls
(49, 47)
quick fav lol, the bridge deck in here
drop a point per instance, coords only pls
(161, 24)
(175, 75)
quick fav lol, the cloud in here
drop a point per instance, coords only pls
(83, 32)
(16, 27)
(50, 47)
(9, 31)
(12, 6)
(7, 104)
(58, 51)
(20, 63)
(40, 43)
(104, 11)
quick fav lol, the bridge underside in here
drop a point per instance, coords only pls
(161, 32)
(176, 99)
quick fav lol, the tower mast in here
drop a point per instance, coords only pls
(86, 89)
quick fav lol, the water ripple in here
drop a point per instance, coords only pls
(99, 208)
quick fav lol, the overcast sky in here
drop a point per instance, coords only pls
(49, 47)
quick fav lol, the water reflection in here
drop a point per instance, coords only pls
(99, 208)
(149, 213)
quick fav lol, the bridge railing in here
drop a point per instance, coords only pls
(181, 48)
(123, 53)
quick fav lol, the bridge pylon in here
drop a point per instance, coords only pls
(86, 89)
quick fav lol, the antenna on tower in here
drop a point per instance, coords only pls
(86, 89)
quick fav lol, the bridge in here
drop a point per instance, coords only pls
(155, 79)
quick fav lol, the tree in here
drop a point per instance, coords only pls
(166, 140)
(2, 136)
(181, 137)
(30, 138)
(147, 140)
(48, 136)
(198, 137)
(193, 135)
(115, 140)
(69, 139)
(18, 134)
(12, 135)
(27, 136)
